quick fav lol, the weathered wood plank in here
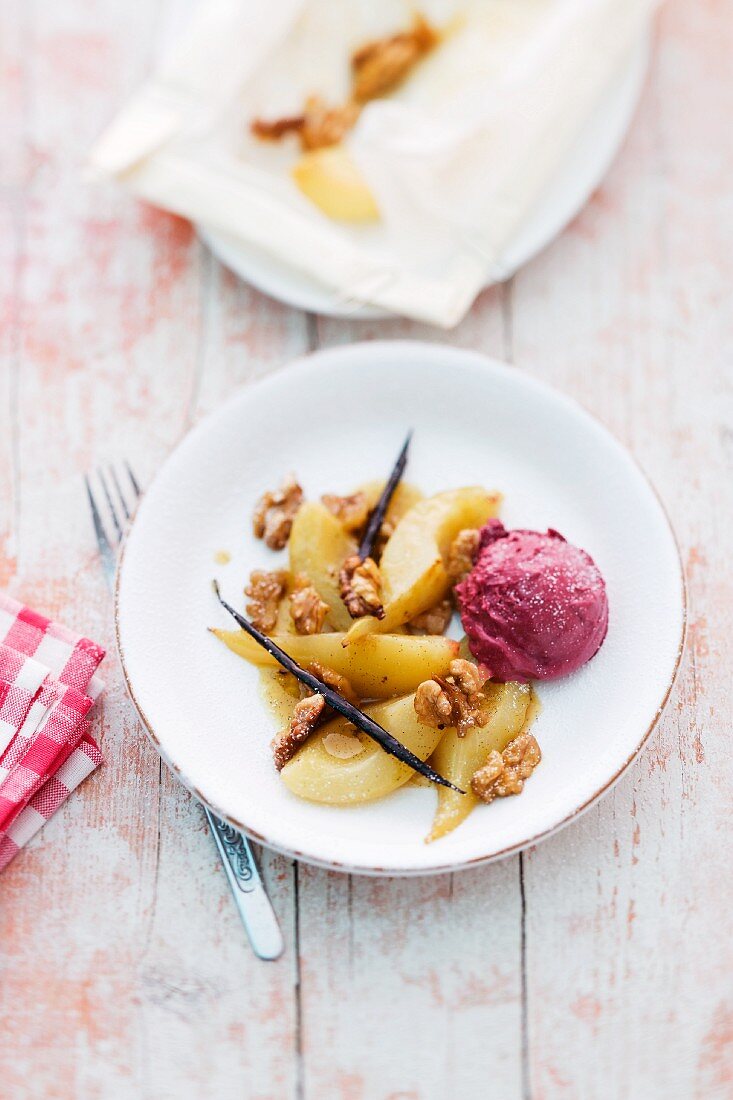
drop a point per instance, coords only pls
(413, 987)
(13, 171)
(629, 962)
(137, 978)
(249, 1045)
(73, 956)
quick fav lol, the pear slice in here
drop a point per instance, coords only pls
(457, 758)
(331, 180)
(318, 547)
(337, 778)
(414, 577)
(403, 499)
(385, 665)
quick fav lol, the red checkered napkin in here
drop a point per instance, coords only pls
(20, 681)
(71, 659)
(47, 687)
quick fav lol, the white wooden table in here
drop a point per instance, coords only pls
(598, 965)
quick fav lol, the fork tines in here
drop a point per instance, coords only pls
(112, 493)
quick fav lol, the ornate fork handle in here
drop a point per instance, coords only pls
(238, 853)
(246, 885)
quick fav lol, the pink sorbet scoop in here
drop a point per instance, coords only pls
(534, 607)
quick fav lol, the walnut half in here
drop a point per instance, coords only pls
(274, 513)
(455, 700)
(462, 554)
(306, 716)
(324, 125)
(334, 680)
(317, 127)
(306, 607)
(433, 621)
(380, 66)
(265, 591)
(360, 583)
(505, 773)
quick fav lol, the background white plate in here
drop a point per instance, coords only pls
(337, 418)
(585, 167)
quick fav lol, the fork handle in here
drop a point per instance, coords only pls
(255, 908)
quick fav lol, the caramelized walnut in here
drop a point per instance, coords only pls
(306, 716)
(334, 680)
(309, 712)
(265, 591)
(306, 607)
(318, 126)
(352, 511)
(505, 773)
(361, 583)
(323, 125)
(274, 513)
(433, 621)
(462, 554)
(433, 706)
(454, 700)
(467, 677)
(377, 68)
(273, 130)
(380, 66)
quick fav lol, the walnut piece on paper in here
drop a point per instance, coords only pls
(380, 66)
(324, 125)
(265, 591)
(455, 700)
(306, 607)
(377, 67)
(317, 127)
(276, 128)
(306, 716)
(505, 773)
(360, 583)
(274, 513)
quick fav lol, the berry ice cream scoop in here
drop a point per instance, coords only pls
(534, 607)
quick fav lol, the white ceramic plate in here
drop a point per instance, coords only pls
(337, 419)
(585, 167)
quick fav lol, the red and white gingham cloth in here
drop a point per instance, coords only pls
(47, 687)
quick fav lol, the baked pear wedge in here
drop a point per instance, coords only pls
(332, 181)
(318, 548)
(404, 498)
(318, 775)
(383, 666)
(457, 758)
(412, 567)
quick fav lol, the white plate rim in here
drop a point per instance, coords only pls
(299, 291)
(311, 360)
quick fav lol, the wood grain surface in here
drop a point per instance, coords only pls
(598, 964)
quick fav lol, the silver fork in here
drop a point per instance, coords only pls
(117, 494)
